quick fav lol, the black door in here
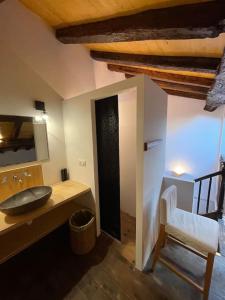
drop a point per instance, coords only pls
(107, 129)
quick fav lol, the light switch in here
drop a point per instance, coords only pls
(82, 163)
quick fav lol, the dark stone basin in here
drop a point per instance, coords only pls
(26, 201)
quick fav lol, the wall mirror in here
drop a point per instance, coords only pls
(22, 140)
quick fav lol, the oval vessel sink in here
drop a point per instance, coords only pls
(26, 201)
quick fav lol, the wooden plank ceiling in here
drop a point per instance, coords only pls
(61, 15)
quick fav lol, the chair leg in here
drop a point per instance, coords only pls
(164, 241)
(208, 275)
(159, 245)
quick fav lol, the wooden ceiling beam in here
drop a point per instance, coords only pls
(180, 90)
(182, 87)
(184, 63)
(186, 94)
(170, 77)
(165, 85)
(216, 95)
(128, 75)
(194, 21)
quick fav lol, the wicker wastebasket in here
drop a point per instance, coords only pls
(82, 231)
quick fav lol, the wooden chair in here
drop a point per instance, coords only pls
(195, 233)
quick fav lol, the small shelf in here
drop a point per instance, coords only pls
(152, 144)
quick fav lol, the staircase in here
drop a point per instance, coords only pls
(218, 214)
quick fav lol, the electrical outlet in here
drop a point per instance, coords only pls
(82, 163)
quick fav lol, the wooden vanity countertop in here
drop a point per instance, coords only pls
(61, 193)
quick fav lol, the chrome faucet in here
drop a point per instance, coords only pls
(4, 180)
(17, 178)
(26, 174)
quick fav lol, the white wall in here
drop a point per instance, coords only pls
(193, 140)
(80, 137)
(150, 124)
(20, 85)
(155, 115)
(127, 150)
(103, 76)
(68, 69)
(34, 65)
(193, 136)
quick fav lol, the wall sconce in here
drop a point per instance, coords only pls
(178, 170)
(40, 106)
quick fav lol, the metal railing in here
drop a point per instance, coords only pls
(221, 174)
